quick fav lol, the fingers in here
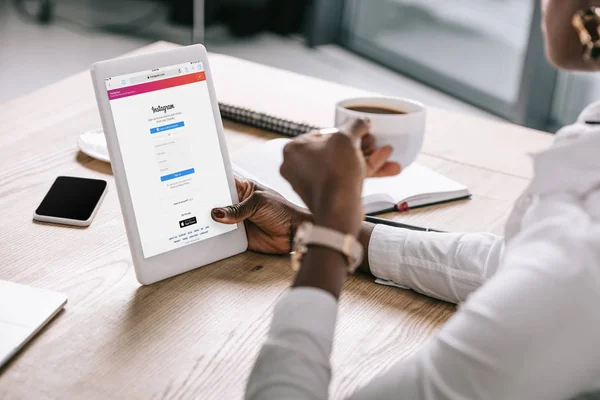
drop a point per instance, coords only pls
(239, 185)
(245, 188)
(258, 241)
(378, 165)
(285, 169)
(356, 128)
(388, 169)
(238, 212)
(317, 135)
(324, 132)
(368, 145)
(378, 158)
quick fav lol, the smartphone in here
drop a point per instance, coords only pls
(71, 201)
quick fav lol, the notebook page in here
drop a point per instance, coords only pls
(262, 163)
(415, 181)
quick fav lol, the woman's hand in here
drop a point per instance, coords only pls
(327, 171)
(376, 159)
(271, 221)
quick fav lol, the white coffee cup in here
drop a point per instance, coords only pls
(404, 132)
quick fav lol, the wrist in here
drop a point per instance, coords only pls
(340, 211)
(322, 268)
(340, 222)
(300, 216)
(303, 215)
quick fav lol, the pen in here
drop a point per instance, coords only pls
(387, 222)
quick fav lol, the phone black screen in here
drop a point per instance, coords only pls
(72, 198)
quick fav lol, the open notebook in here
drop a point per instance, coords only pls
(417, 186)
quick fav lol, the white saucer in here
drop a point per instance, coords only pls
(93, 143)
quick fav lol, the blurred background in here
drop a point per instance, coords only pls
(482, 57)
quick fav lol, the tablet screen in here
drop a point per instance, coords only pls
(171, 154)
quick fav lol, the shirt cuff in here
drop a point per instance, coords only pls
(385, 250)
(306, 310)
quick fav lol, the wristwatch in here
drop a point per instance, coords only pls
(309, 234)
(587, 24)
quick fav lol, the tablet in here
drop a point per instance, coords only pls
(169, 158)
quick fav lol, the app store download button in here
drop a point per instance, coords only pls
(187, 222)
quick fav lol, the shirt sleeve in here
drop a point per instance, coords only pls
(294, 361)
(447, 266)
(530, 333)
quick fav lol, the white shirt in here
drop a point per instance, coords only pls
(529, 323)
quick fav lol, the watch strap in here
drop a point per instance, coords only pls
(309, 234)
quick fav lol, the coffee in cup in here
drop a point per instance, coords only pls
(375, 110)
(399, 123)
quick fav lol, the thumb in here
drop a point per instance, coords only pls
(356, 128)
(238, 212)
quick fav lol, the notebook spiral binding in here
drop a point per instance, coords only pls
(264, 121)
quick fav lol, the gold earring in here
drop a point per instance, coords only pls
(587, 24)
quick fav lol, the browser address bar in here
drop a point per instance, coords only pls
(152, 76)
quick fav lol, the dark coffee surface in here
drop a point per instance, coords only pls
(375, 110)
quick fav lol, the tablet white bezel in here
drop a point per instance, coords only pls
(185, 258)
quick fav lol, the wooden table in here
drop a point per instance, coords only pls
(197, 335)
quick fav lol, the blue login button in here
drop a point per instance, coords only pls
(177, 175)
(163, 128)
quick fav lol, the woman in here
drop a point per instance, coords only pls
(531, 332)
